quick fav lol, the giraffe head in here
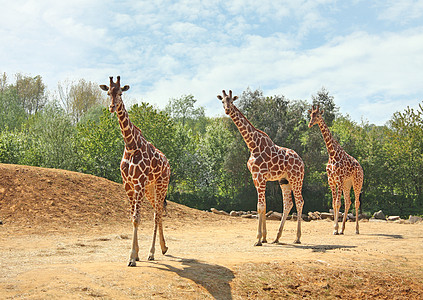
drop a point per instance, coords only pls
(227, 101)
(315, 115)
(115, 93)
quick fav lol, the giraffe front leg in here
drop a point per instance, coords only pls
(357, 206)
(261, 210)
(336, 204)
(299, 202)
(261, 229)
(133, 257)
(135, 248)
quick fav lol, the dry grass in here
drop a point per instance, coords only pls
(314, 281)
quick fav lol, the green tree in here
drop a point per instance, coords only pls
(406, 159)
(78, 98)
(12, 113)
(184, 111)
(100, 146)
(31, 93)
(52, 139)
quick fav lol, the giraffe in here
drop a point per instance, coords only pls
(145, 171)
(343, 171)
(269, 162)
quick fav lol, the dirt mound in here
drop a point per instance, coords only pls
(32, 196)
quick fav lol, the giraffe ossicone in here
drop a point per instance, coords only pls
(269, 162)
(145, 171)
(343, 170)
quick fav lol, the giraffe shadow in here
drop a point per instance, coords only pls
(318, 248)
(214, 278)
(391, 236)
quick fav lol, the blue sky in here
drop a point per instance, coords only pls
(367, 54)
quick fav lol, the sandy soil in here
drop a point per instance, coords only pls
(79, 251)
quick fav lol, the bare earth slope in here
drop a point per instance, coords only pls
(67, 235)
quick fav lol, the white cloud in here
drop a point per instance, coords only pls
(165, 49)
(402, 11)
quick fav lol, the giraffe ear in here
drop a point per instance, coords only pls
(104, 87)
(125, 88)
(322, 112)
(219, 97)
(309, 111)
(234, 98)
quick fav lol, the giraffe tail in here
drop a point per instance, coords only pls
(165, 207)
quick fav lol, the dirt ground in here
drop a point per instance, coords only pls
(67, 236)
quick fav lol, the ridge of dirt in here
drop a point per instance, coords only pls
(31, 197)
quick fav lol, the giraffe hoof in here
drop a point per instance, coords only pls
(297, 242)
(137, 259)
(357, 232)
(150, 257)
(132, 264)
(275, 242)
(164, 250)
(264, 241)
(258, 244)
(335, 233)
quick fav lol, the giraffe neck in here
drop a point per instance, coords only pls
(127, 128)
(331, 144)
(246, 129)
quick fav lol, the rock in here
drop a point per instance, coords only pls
(414, 219)
(379, 215)
(269, 213)
(363, 216)
(324, 216)
(274, 216)
(305, 218)
(219, 212)
(234, 213)
(351, 216)
(377, 220)
(247, 216)
(314, 215)
(393, 218)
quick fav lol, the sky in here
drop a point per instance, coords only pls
(367, 54)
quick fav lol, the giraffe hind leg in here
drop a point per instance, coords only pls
(287, 206)
(347, 200)
(299, 203)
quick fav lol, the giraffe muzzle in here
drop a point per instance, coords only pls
(112, 108)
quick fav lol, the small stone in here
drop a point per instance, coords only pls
(274, 216)
(269, 213)
(326, 216)
(379, 215)
(393, 218)
(414, 219)
(247, 216)
(377, 220)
